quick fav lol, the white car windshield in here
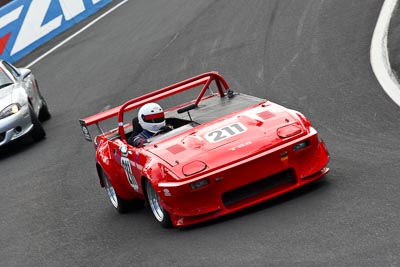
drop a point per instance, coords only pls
(4, 79)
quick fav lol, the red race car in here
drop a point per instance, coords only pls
(223, 151)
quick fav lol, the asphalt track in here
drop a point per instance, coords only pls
(310, 55)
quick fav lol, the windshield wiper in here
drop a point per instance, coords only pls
(6, 84)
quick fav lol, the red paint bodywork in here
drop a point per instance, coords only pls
(247, 155)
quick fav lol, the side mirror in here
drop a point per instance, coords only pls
(24, 73)
(124, 150)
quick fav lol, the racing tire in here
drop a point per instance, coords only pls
(161, 215)
(37, 131)
(44, 113)
(120, 204)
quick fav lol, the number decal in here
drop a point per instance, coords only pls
(125, 163)
(216, 136)
(225, 132)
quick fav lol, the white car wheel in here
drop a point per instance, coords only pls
(161, 215)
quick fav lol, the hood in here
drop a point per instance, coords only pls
(228, 139)
(6, 96)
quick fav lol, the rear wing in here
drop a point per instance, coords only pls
(204, 79)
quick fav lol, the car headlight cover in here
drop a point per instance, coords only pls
(10, 110)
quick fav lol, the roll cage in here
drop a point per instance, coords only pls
(203, 80)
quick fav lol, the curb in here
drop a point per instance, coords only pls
(379, 53)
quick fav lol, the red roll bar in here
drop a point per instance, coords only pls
(204, 79)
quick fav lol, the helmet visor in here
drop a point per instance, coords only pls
(153, 118)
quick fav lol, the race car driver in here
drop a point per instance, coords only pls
(151, 119)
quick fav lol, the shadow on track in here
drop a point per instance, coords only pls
(18, 146)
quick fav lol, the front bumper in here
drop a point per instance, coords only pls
(246, 183)
(15, 126)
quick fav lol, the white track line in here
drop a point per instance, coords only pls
(379, 54)
(75, 34)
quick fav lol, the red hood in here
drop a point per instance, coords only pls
(228, 139)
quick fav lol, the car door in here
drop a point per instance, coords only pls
(131, 164)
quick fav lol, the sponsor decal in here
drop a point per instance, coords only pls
(240, 146)
(86, 133)
(27, 24)
(167, 193)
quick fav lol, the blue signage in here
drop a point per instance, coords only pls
(27, 24)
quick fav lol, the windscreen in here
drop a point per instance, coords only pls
(4, 79)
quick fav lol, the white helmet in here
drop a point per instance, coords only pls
(151, 117)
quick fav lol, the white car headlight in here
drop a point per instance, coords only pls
(10, 110)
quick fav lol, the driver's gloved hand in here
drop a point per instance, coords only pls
(166, 128)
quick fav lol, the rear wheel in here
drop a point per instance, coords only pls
(37, 131)
(161, 215)
(120, 204)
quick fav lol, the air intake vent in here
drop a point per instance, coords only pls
(282, 179)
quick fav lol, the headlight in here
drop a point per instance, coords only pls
(10, 110)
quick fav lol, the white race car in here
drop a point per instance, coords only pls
(22, 107)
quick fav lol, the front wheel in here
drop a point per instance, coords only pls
(120, 204)
(44, 113)
(161, 215)
(37, 131)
